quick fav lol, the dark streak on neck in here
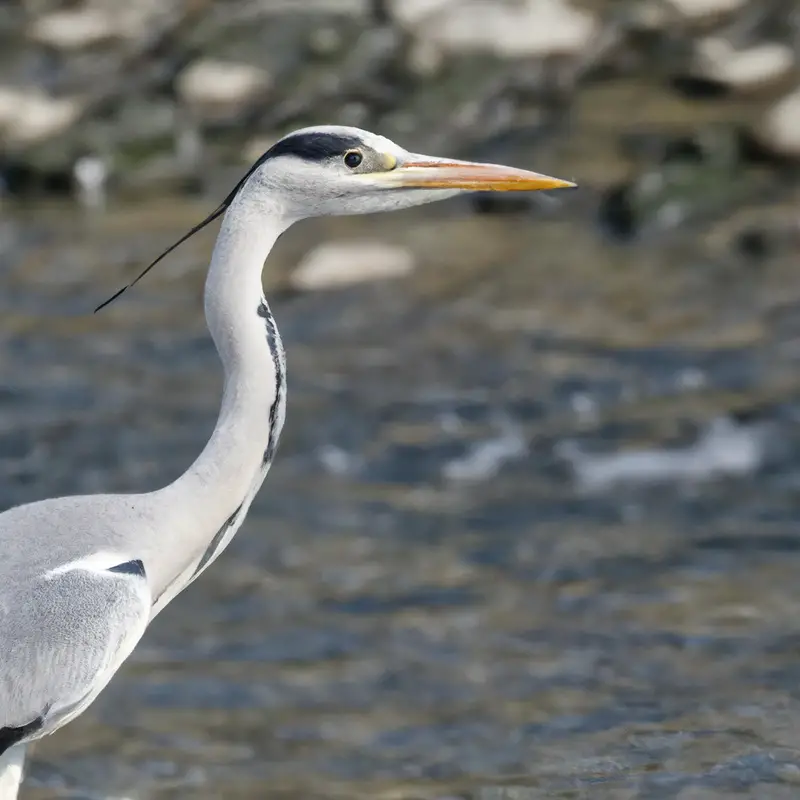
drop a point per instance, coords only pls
(274, 344)
(217, 540)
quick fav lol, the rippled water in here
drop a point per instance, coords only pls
(426, 600)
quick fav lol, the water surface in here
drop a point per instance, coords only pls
(425, 602)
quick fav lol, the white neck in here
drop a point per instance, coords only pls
(208, 503)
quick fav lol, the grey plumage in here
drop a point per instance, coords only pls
(64, 629)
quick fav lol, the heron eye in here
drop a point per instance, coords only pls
(353, 159)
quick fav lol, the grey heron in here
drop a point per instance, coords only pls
(82, 577)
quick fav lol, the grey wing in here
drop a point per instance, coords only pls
(62, 637)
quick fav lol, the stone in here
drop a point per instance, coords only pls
(73, 29)
(209, 82)
(29, 115)
(425, 60)
(779, 128)
(325, 42)
(337, 264)
(532, 28)
(744, 70)
(662, 15)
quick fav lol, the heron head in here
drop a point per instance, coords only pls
(334, 170)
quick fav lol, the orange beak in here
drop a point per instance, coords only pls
(430, 173)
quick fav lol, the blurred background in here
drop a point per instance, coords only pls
(534, 526)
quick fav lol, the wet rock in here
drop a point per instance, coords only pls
(532, 28)
(337, 264)
(778, 131)
(720, 64)
(28, 115)
(73, 29)
(213, 86)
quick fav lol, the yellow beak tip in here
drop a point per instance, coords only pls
(558, 183)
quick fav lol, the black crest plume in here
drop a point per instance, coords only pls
(218, 211)
(210, 218)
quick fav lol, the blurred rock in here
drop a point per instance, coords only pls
(666, 16)
(324, 43)
(73, 29)
(409, 13)
(778, 131)
(513, 30)
(425, 59)
(29, 115)
(337, 264)
(221, 86)
(697, 176)
(745, 70)
(78, 27)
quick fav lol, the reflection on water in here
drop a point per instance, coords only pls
(724, 449)
(424, 603)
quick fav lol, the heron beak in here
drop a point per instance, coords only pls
(430, 173)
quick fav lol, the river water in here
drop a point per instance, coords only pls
(532, 531)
